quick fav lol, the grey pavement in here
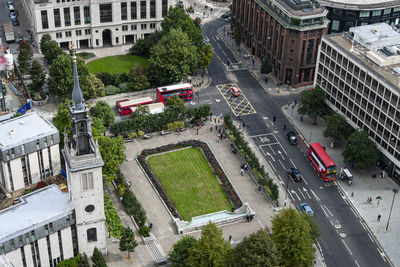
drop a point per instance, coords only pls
(363, 187)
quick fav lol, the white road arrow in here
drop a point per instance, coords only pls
(305, 191)
(269, 154)
(280, 153)
(294, 192)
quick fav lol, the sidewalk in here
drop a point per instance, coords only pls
(363, 186)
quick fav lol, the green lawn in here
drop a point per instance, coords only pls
(189, 182)
(116, 64)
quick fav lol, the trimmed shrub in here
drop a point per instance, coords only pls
(144, 231)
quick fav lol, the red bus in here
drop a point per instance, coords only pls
(322, 163)
(124, 107)
(183, 90)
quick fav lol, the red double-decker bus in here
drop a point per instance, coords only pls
(322, 163)
(124, 107)
(183, 90)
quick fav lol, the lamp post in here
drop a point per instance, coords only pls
(391, 207)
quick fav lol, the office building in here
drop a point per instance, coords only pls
(360, 73)
(91, 24)
(285, 32)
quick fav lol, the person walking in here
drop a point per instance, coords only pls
(284, 127)
(242, 172)
(379, 218)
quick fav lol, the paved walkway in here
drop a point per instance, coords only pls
(363, 186)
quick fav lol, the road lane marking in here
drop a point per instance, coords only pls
(305, 191)
(347, 247)
(370, 237)
(315, 195)
(292, 163)
(301, 193)
(258, 135)
(294, 192)
(357, 263)
(328, 211)
(280, 153)
(326, 214)
(269, 154)
(282, 164)
(272, 166)
(304, 179)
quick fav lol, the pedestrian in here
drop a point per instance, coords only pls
(370, 200)
(301, 117)
(284, 127)
(216, 127)
(242, 172)
(197, 131)
(295, 102)
(211, 129)
(379, 218)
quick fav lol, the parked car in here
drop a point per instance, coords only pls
(226, 15)
(180, 4)
(15, 21)
(13, 15)
(9, 3)
(304, 207)
(10, 7)
(292, 138)
(234, 91)
(295, 174)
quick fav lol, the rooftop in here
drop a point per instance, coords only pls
(297, 8)
(35, 209)
(361, 4)
(376, 47)
(24, 129)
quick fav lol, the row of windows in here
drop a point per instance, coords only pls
(11, 153)
(69, 33)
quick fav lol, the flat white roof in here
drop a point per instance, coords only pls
(24, 129)
(35, 209)
(364, 3)
(154, 108)
(135, 101)
(174, 87)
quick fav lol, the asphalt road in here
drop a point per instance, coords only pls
(344, 240)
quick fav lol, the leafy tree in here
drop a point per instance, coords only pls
(291, 234)
(314, 229)
(211, 249)
(238, 35)
(112, 152)
(112, 90)
(95, 88)
(44, 43)
(180, 251)
(98, 128)
(104, 112)
(138, 78)
(313, 103)
(176, 105)
(360, 150)
(61, 77)
(142, 46)
(206, 55)
(84, 261)
(24, 57)
(266, 67)
(172, 58)
(98, 259)
(127, 241)
(62, 121)
(337, 127)
(256, 250)
(106, 78)
(38, 76)
(49, 48)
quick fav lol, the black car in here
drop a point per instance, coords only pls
(292, 138)
(295, 174)
(15, 21)
(226, 15)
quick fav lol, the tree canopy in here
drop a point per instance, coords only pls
(138, 78)
(127, 241)
(104, 112)
(258, 249)
(337, 127)
(180, 251)
(291, 234)
(206, 55)
(172, 58)
(50, 48)
(176, 105)
(360, 150)
(211, 249)
(62, 120)
(142, 46)
(95, 87)
(98, 259)
(38, 76)
(24, 57)
(112, 152)
(313, 103)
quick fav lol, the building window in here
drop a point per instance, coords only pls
(143, 26)
(396, 9)
(364, 14)
(87, 181)
(152, 8)
(10, 176)
(67, 17)
(58, 34)
(57, 18)
(78, 32)
(124, 27)
(51, 139)
(124, 11)
(92, 235)
(46, 229)
(387, 11)
(45, 21)
(87, 31)
(164, 8)
(152, 25)
(68, 34)
(2, 250)
(133, 10)
(106, 13)
(86, 14)
(27, 239)
(143, 14)
(133, 27)
(12, 244)
(12, 153)
(33, 235)
(335, 25)
(77, 15)
(376, 13)
(51, 227)
(310, 46)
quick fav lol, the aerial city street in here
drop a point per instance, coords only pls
(199, 133)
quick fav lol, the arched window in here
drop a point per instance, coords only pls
(92, 234)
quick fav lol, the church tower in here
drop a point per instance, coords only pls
(84, 174)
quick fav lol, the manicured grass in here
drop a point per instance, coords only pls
(116, 64)
(189, 182)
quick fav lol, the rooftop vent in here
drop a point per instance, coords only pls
(21, 122)
(12, 132)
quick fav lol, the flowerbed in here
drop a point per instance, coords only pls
(216, 168)
(113, 221)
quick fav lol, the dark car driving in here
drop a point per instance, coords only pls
(292, 138)
(295, 174)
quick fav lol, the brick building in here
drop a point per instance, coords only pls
(286, 33)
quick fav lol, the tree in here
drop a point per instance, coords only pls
(61, 77)
(98, 128)
(180, 251)
(98, 259)
(238, 35)
(138, 78)
(206, 55)
(314, 229)
(172, 58)
(337, 127)
(38, 76)
(313, 103)
(266, 67)
(112, 152)
(360, 150)
(24, 57)
(258, 249)
(291, 234)
(127, 241)
(44, 43)
(104, 112)
(176, 105)
(211, 249)
(95, 88)
(62, 121)
(52, 51)
(84, 261)
(142, 46)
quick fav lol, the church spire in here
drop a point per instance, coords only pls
(77, 95)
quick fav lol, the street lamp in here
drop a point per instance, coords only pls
(391, 207)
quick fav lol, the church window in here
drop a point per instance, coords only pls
(87, 181)
(92, 235)
(89, 208)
